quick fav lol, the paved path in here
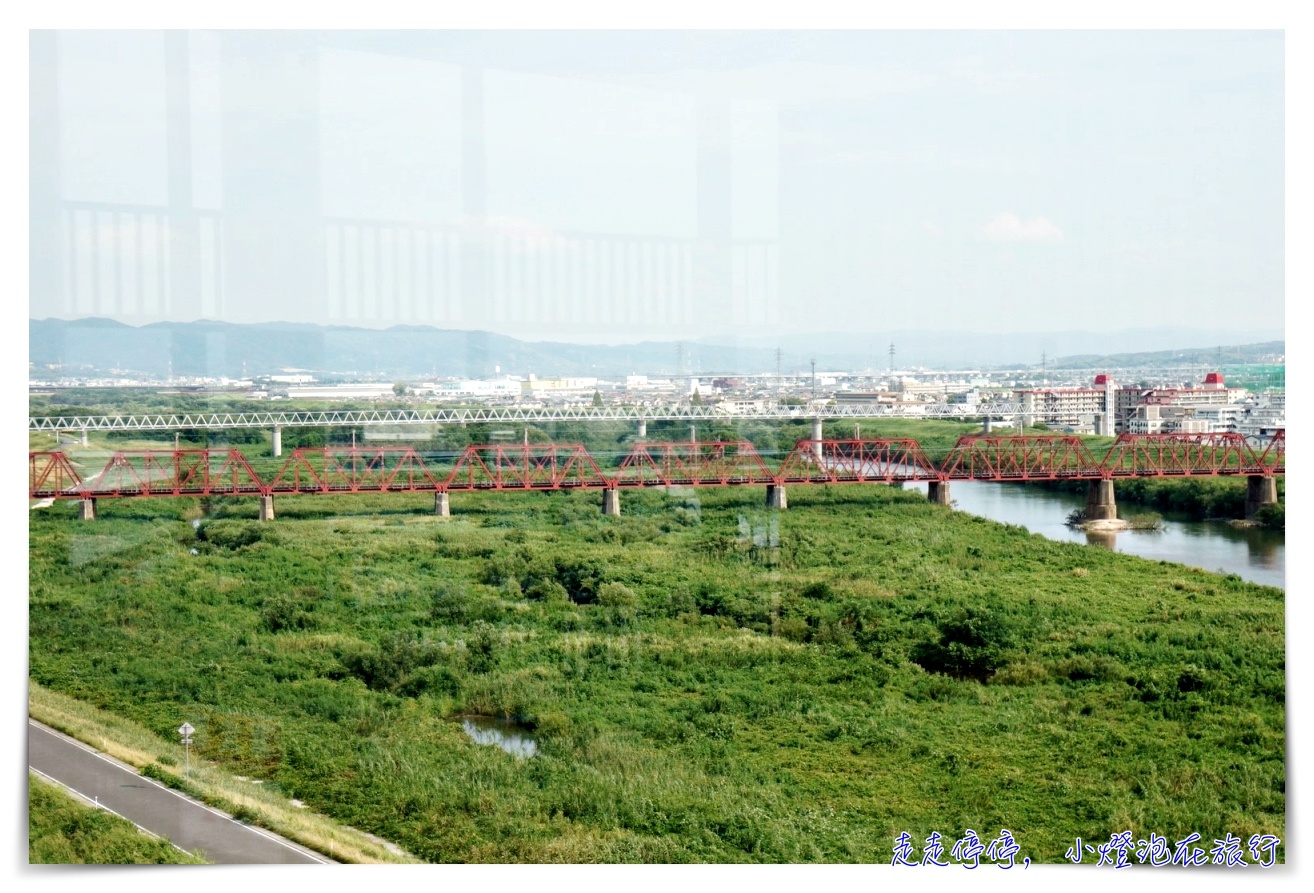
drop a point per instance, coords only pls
(190, 825)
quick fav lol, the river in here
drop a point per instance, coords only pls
(1255, 555)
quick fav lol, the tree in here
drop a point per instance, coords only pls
(697, 398)
(399, 389)
(597, 398)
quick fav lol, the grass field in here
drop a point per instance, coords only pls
(706, 680)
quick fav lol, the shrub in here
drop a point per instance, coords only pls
(617, 595)
(431, 680)
(1272, 516)
(546, 590)
(793, 628)
(1025, 672)
(285, 612)
(398, 655)
(481, 648)
(973, 643)
(1146, 521)
(451, 603)
(817, 591)
(1083, 668)
(232, 534)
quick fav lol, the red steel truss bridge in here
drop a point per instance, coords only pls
(402, 469)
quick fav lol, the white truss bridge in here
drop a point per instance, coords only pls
(462, 416)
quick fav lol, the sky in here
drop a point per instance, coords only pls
(620, 185)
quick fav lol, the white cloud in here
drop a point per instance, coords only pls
(1007, 227)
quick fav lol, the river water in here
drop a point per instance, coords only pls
(1255, 555)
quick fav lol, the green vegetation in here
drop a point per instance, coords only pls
(706, 680)
(1273, 516)
(65, 831)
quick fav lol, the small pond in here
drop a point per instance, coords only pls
(507, 734)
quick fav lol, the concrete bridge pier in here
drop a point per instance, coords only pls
(611, 501)
(1100, 505)
(442, 506)
(985, 429)
(816, 437)
(278, 440)
(87, 509)
(1261, 490)
(643, 428)
(266, 508)
(938, 492)
(84, 436)
(775, 498)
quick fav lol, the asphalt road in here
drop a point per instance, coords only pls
(190, 825)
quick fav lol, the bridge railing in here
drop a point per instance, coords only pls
(1019, 458)
(208, 472)
(1147, 455)
(693, 464)
(526, 467)
(476, 414)
(353, 470)
(857, 461)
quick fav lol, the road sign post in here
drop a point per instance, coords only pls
(185, 730)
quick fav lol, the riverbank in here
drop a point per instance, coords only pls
(1254, 553)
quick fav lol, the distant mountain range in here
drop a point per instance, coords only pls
(87, 346)
(1214, 357)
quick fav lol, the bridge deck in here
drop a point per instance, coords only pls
(229, 472)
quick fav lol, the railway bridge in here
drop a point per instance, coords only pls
(57, 475)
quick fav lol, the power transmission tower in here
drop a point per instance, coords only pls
(891, 356)
(814, 378)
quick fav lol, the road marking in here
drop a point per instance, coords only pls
(125, 768)
(95, 803)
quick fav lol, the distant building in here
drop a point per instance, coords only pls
(850, 398)
(741, 407)
(1075, 408)
(1213, 393)
(341, 392)
(1106, 408)
(496, 387)
(548, 387)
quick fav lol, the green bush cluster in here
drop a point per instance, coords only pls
(974, 642)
